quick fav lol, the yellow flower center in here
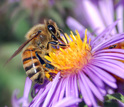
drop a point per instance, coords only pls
(73, 58)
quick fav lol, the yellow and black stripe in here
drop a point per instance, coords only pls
(32, 65)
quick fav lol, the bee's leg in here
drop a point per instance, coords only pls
(55, 43)
(48, 73)
(63, 35)
(46, 66)
(56, 39)
(44, 62)
(49, 66)
(39, 58)
(62, 40)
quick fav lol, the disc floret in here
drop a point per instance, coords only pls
(73, 58)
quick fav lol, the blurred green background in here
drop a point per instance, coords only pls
(16, 18)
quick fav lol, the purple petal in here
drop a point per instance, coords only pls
(111, 57)
(71, 86)
(23, 100)
(39, 98)
(111, 41)
(110, 50)
(110, 68)
(51, 91)
(119, 12)
(92, 76)
(93, 16)
(97, 78)
(27, 88)
(102, 90)
(75, 25)
(96, 70)
(105, 34)
(15, 101)
(106, 7)
(62, 92)
(110, 90)
(104, 73)
(68, 101)
(87, 88)
(94, 89)
(68, 87)
(117, 64)
(114, 62)
(120, 103)
(84, 92)
(58, 90)
(74, 86)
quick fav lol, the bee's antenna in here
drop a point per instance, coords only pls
(64, 35)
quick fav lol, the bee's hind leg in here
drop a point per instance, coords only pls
(46, 67)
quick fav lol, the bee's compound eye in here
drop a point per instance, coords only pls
(51, 29)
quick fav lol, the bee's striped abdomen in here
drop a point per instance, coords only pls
(32, 65)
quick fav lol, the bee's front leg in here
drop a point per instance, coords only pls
(55, 43)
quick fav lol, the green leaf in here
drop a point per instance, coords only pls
(116, 96)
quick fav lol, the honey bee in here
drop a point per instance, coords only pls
(40, 39)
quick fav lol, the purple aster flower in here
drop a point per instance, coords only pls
(84, 70)
(97, 15)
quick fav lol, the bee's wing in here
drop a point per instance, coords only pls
(21, 47)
